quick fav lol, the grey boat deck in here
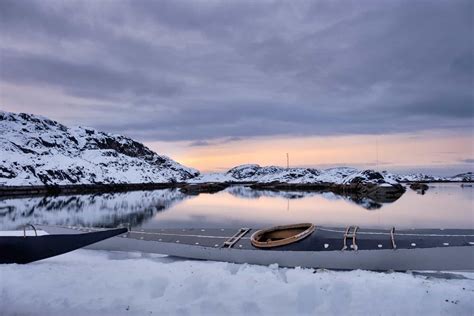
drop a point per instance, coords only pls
(323, 239)
(416, 249)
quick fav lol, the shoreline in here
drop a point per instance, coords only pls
(34, 190)
(7, 191)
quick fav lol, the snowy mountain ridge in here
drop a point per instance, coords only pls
(420, 177)
(252, 173)
(35, 150)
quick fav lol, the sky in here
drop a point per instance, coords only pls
(214, 84)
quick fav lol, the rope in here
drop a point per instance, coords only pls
(392, 238)
(400, 234)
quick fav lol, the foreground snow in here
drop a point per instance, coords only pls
(91, 283)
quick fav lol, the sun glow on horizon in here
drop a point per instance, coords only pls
(428, 149)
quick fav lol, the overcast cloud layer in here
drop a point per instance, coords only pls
(196, 71)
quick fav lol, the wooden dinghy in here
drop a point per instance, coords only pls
(20, 248)
(305, 245)
(281, 235)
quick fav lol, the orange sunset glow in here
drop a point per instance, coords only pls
(429, 149)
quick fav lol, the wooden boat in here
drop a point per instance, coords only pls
(25, 249)
(305, 245)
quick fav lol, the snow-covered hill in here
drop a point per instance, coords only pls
(252, 173)
(257, 174)
(421, 177)
(463, 177)
(37, 151)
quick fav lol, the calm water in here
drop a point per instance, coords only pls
(442, 206)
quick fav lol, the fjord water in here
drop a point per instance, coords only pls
(442, 206)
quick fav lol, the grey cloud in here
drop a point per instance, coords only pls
(205, 71)
(232, 139)
(87, 80)
(199, 143)
(468, 160)
(204, 143)
(444, 106)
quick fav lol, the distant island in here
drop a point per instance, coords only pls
(39, 155)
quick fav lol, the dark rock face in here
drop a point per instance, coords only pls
(366, 176)
(5, 173)
(37, 151)
(371, 184)
(243, 172)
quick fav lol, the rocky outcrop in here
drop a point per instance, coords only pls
(372, 184)
(344, 181)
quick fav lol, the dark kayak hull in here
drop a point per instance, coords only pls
(15, 249)
(435, 250)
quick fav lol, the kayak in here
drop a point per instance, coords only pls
(304, 245)
(22, 248)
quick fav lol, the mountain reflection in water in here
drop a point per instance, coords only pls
(443, 206)
(368, 203)
(101, 210)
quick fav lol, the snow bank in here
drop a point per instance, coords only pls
(106, 283)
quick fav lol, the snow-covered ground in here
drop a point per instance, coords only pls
(87, 282)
